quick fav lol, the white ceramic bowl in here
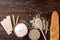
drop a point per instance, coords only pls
(20, 30)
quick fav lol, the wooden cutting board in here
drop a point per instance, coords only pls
(54, 28)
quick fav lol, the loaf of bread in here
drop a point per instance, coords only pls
(54, 28)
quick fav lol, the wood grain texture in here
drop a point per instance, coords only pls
(28, 5)
(26, 9)
(23, 15)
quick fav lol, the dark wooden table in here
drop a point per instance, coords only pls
(26, 16)
(25, 8)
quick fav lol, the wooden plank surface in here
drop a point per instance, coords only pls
(25, 8)
(29, 5)
(23, 15)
